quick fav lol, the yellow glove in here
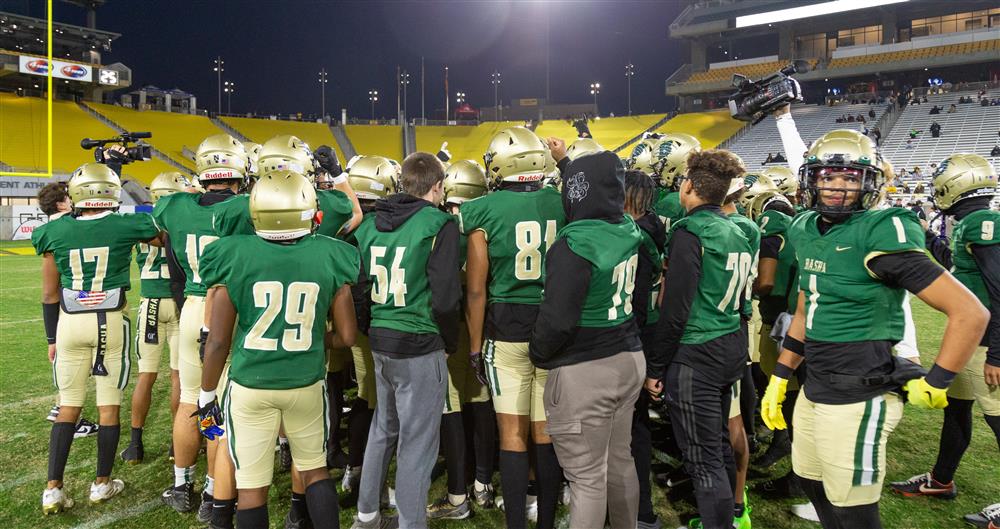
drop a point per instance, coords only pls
(770, 407)
(923, 395)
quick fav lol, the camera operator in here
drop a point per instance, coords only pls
(114, 157)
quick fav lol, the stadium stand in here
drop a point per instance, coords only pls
(711, 128)
(464, 142)
(916, 54)
(23, 138)
(382, 140)
(260, 130)
(971, 128)
(172, 132)
(812, 121)
(753, 71)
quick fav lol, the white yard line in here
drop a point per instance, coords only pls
(39, 477)
(18, 322)
(30, 401)
(117, 516)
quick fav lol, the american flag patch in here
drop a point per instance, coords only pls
(91, 298)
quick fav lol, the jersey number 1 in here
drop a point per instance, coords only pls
(194, 247)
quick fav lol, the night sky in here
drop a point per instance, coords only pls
(274, 49)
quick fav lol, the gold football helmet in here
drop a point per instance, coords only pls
(664, 158)
(961, 176)
(94, 186)
(783, 178)
(837, 152)
(464, 180)
(583, 146)
(166, 184)
(220, 157)
(515, 155)
(283, 206)
(286, 153)
(253, 154)
(373, 177)
(762, 200)
(756, 184)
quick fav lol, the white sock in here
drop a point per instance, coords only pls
(282, 440)
(366, 516)
(182, 475)
(456, 499)
(209, 485)
(478, 487)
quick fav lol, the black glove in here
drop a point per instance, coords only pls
(327, 159)
(209, 419)
(202, 338)
(478, 367)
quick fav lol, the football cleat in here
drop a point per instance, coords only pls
(53, 413)
(55, 501)
(133, 453)
(205, 509)
(100, 493)
(988, 518)
(181, 499)
(443, 509)
(486, 498)
(380, 522)
(655, 524)
(925, 485)
(85, 428)
(297, 523)
(351, 479)
(531, 507)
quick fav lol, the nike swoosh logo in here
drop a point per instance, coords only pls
(927, 490)
(842, 248)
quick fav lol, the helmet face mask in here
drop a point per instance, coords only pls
(94, 186)
(962, 176)
(842, 175)
(664, 157)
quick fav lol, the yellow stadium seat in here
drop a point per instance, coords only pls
(261, 130)
(382, 140)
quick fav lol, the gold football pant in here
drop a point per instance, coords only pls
(168, 334)
(80, 340)
(517, 386)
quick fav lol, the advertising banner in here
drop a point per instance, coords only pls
(62, 70)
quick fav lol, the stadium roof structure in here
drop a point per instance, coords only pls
(24, 34)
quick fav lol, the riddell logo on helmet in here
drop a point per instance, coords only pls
(98, 204)
(219, 175)
(529, 177)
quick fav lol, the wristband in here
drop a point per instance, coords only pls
(340, 179)
(940, 377)
(783, 371)
(205, 397)
(50, 316)
(794, 345)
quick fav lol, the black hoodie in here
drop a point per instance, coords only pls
(442, 276)
(557, 340)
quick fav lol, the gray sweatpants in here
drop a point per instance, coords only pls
(410, 395)
(589, 408)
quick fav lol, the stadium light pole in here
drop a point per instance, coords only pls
(459, 99)
(404, 80)
(595, 88)
(372, 98)
(219, 68)
(229, 87)
(495, 80)
(322, 92)
(629, 73)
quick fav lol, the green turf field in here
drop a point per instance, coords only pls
(26, 393)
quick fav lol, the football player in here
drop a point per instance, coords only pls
(664, 157)
(467, 396)
(280, 284)
(157, 325)
(85, 273)
(701, 349)
(372, 178)
(509, 231)
(640, 194)
(854, 263)
(186, 218)
(586, 335)
(410, 254)
(963, 186)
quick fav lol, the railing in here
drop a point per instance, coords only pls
(638, 137)
(676, 77)
(887, 120)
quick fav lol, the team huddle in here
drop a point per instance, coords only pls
(545, 300)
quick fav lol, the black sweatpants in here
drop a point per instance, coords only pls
(699, 413)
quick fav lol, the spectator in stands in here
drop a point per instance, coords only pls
(918, 208)
(877, 134)
(898, 204)
(917, 174)
(850, 119)
(935, 129)
(935, 110)
(780, 158)
(860, 118)
(909, 143)
(952, 109)
(983, 102)
(906, 188)
(919, 190)
(914, 133)
(871, 113)
(769, 159)
(995, 151)
(924, 99)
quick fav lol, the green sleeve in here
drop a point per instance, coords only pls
(143, 227)
(39, 239)
(470, 217)
(232, 217)
(214, 264)
(773, 223)
(160, 215)
(337, 210)
(893, 230)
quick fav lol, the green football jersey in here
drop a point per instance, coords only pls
(613, 253)
(845, 302)
(752, 233)
(154, 274)
(668, 208)
(233, 216)
(648, 245)
(396, 263)
(979, 227)
(775, 224)
(189, 226)
(282, 294)
(94, 253)
(726, 265)
(520, 228)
